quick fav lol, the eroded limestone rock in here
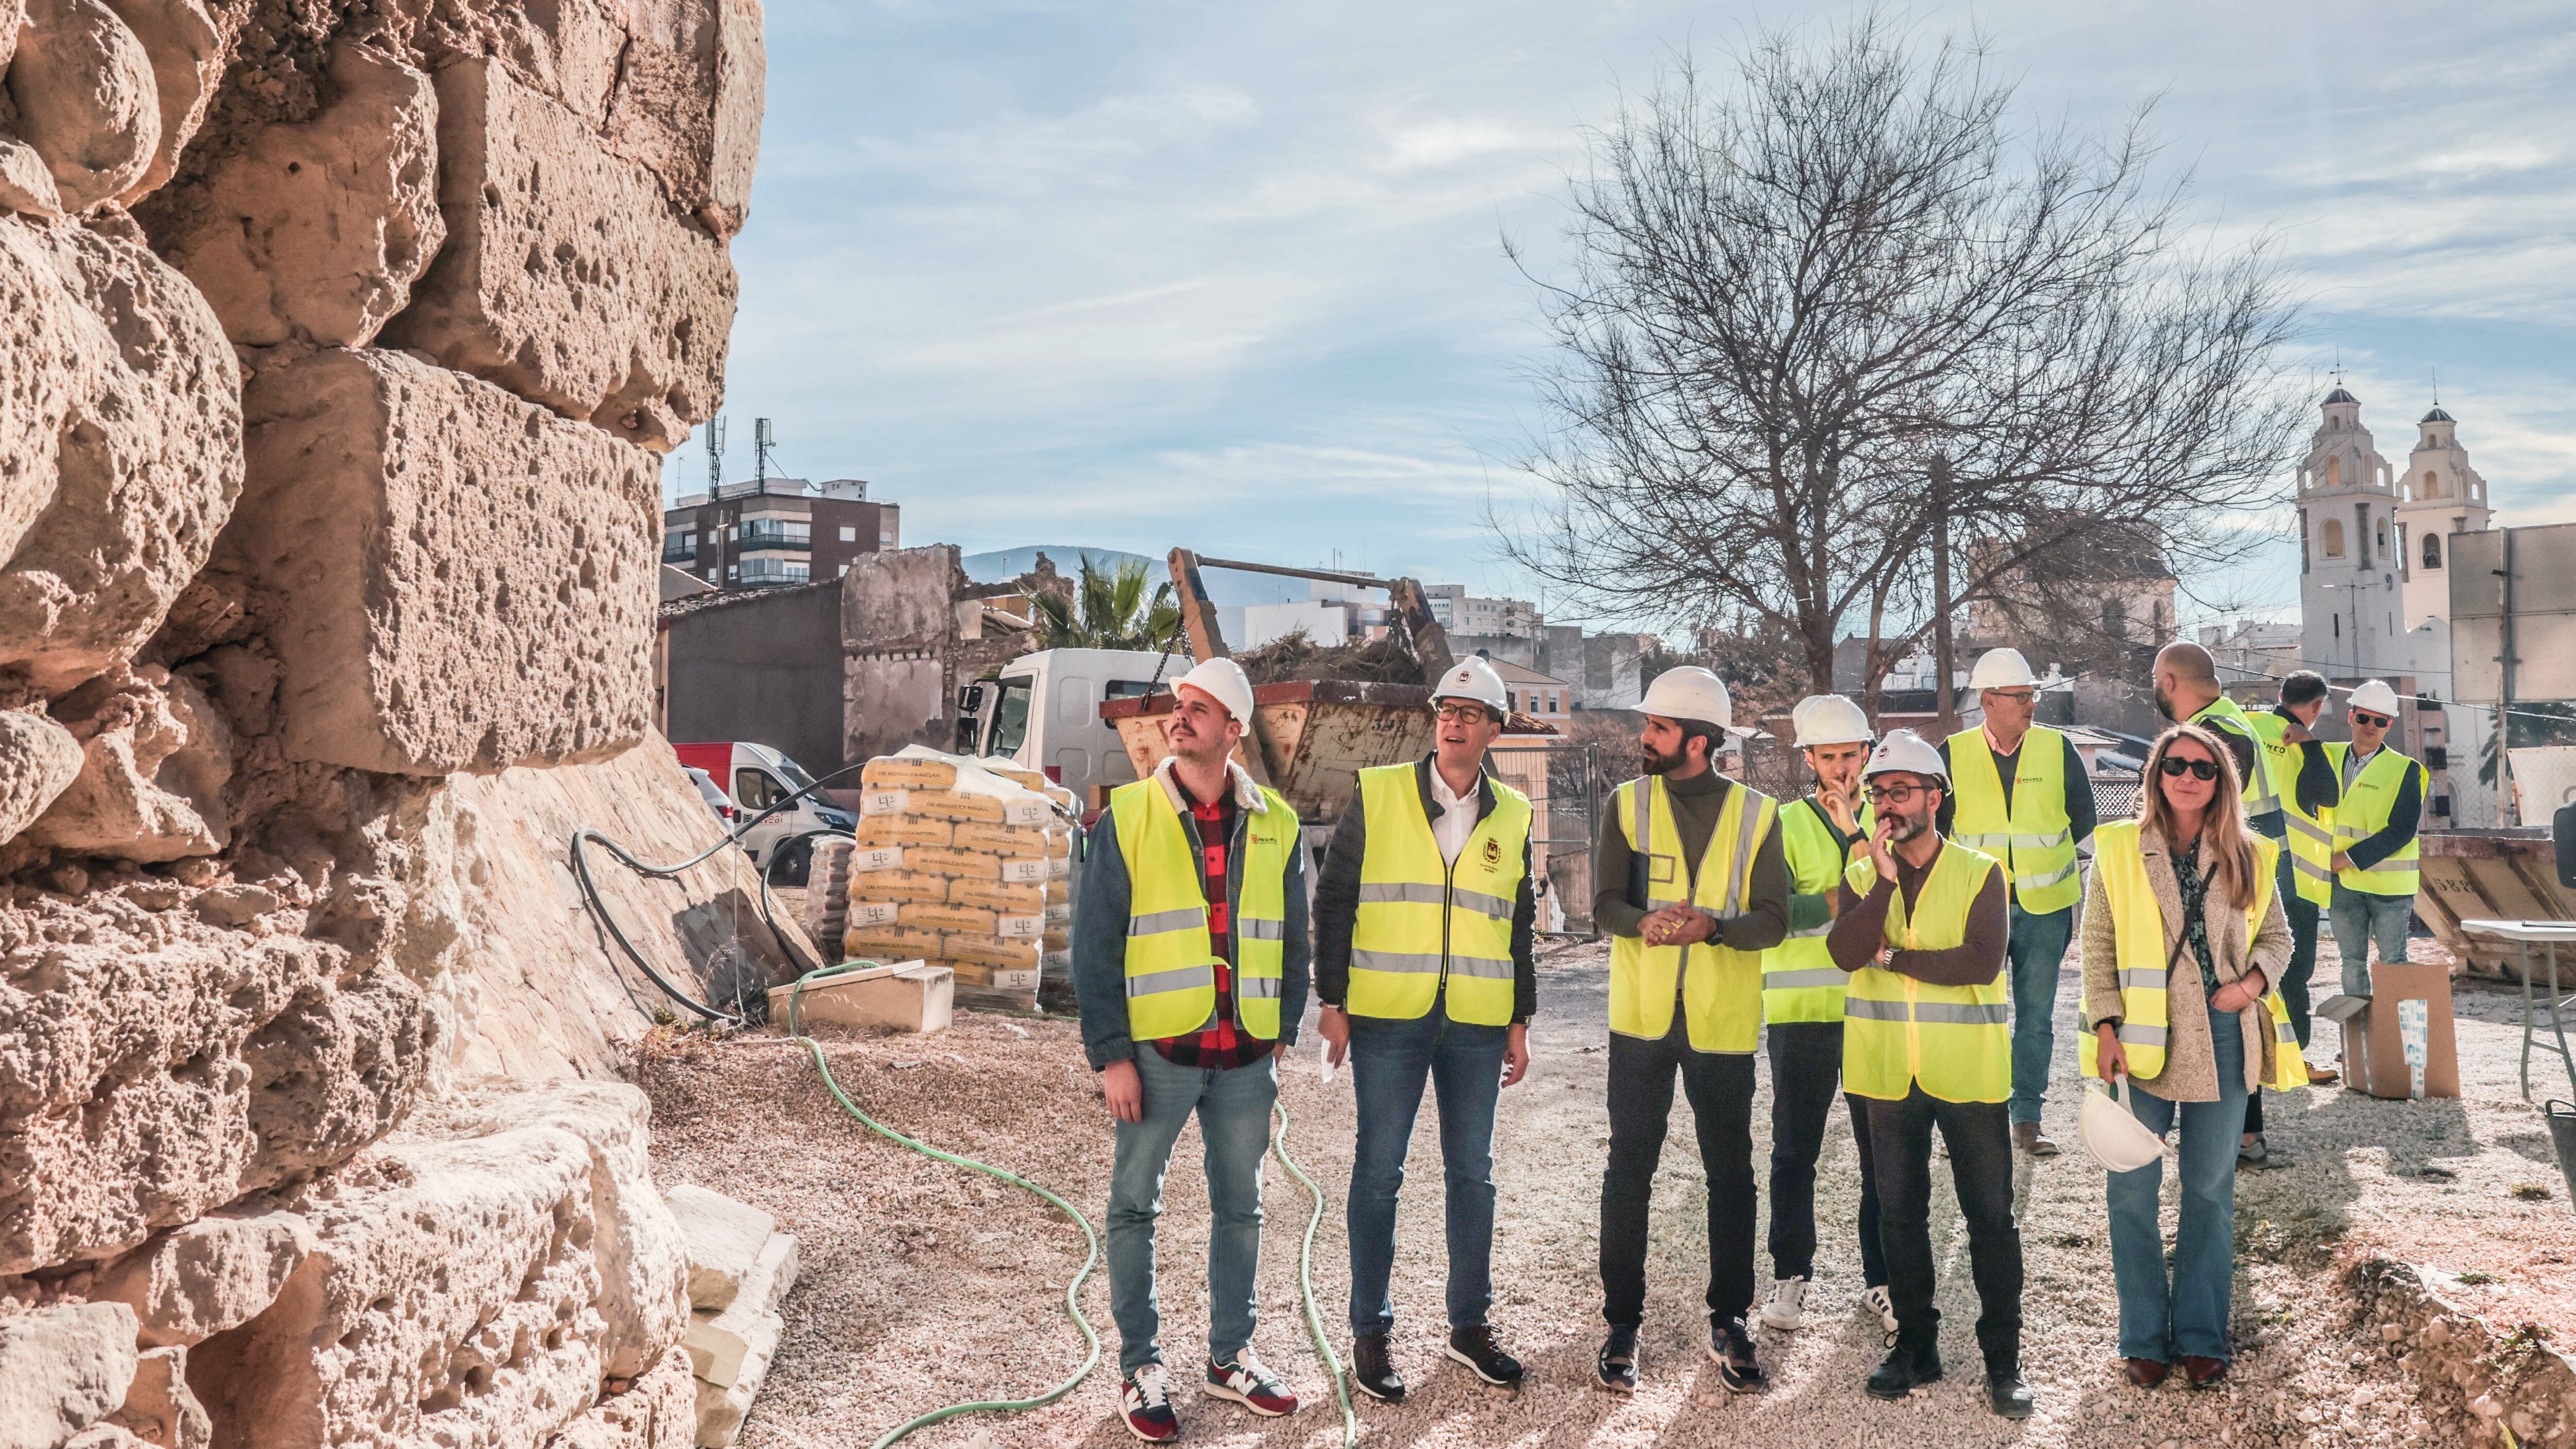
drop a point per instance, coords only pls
(567, 278)
(688, 103)
(724, 1239)
(187, 50)
(155, 758)
(396, 511)
(200, 1278)
(160, 1408)
(62, 1369)
(86, 98)
(659, 1412)
(39, 759)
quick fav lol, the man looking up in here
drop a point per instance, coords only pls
(2309, 790)
(2377, 854)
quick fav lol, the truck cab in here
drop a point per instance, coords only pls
(756, 777)
(1043, 711)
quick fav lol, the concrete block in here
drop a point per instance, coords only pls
(723, 1239)
(907, 996)
(200, 1278)
(396, 509)
(567, 278)
(719, 1341)
(62, 1369)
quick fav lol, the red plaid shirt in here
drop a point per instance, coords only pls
(1222, 1045)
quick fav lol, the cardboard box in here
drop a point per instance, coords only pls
(2374, 1050)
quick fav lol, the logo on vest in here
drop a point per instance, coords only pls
(1493, 854)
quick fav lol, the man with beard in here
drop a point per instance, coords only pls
(1423, 920)
(1692, 888)
(1189, 962)
(1926, 1039)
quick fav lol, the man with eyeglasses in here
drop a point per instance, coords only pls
(2024, 798)
(2376, 859)
(1423, 922)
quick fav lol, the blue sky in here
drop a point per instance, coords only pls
(1230, 275)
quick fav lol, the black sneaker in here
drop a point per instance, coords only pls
(2007, 1395)
(1616, 1368)
(1907, 1367)
(1373, 1369)
(1475, 1347)
(1730, 1347)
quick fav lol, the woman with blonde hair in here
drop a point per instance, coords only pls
(2183, 937)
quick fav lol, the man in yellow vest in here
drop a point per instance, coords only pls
(1802, 1012)
(2308, 789)
(2187, 692)
(1691, 888)
(1423, 921)
(2376, 859)
(1923, 928)
(2023, 797)
(1189, 963)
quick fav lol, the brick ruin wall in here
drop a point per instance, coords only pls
(339, 343)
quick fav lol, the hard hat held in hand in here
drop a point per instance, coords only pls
(1907, 753)
(1830, 719)
(2373, 696)
(2112, 1134)
(2002, 669)
(1689, 692)
(1224, 681)
(1473, 680)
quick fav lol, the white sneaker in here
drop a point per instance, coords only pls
(1876, 1301)
(1786, 1308)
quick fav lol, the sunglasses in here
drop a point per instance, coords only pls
(2174, 765)
(2375, 721)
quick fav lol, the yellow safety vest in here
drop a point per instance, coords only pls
(1721, 988)
(1897, 1031)
(1171, 963)
(1800, 981)
(1424, 923)
(2311, 837)
(2226, 716)
(2140, 954)
(2035, 842)
(2363, 813)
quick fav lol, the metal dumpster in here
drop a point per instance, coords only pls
(1315, 736)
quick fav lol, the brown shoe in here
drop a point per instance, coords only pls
(2146, 1373)
(2323, 1076)
(2205, 1373)
(2027, 1139)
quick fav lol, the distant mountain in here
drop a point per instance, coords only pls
(1225, 587)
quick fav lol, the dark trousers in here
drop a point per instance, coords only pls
(1720, 1088)
(1979, 1136)
(2305, 916)
(1806, 1070)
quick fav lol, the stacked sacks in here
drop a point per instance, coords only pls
(825, 916)
(964, 863)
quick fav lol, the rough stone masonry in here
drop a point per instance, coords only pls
(338, 341)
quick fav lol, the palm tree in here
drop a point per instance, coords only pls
(1110, 610)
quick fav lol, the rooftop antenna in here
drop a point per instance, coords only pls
(762, 439)
(715, 457)
(2437, 387)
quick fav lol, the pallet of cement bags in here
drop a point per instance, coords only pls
(960, 862)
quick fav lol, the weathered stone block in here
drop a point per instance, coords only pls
(187, 50)
(200, 1278)
(154, 763)
(86, 99)
(723, 1240)
(62, 1369)
(160, 1408)
(397, 511)
(722, 1410)
(719, 1341)
(39, 759)
(316, 231)
(567, 277)
(659, 1412)
(688, 103)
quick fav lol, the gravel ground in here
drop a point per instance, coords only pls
(924, 1285)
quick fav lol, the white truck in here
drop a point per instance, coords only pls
(1043, 711)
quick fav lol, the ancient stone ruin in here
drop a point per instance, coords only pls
(339, 340)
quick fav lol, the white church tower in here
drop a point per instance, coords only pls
(2443, 496)
(2348, 551)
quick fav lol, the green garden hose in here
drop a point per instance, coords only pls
(1306, 1281)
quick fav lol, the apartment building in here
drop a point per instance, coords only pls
(777, 531)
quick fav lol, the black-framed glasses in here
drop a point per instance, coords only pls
(1893, 794)
(2375, 721)
(1460, 710)
(2174, 765)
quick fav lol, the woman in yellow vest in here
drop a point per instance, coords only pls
(2183, 935)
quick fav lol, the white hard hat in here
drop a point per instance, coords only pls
(2001, 669)
(2375, 696)
(2112, 1134)
(1473, 679)
(1224, 681)
(1687, 691)
(1905, 752)
(1830, 719)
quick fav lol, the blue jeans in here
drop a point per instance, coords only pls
(2360, 919)
(2187, 1316)
(1390, 1061)
(1233, 1108)
(2038, 946)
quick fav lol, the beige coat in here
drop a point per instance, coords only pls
(2190, 1071)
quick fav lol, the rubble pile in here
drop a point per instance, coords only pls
(338, 346)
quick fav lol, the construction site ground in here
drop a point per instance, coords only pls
(925, 1284)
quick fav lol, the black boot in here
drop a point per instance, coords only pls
(1912, 1363)
(1373, 1369)
(2007, 1395)
(1477, 1348)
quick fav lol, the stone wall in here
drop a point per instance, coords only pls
(339, 341)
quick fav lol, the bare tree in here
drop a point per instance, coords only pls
(1797, 298)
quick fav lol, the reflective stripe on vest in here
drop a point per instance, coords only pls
(1721, 989)
(2140, 952)
(1419, 915)
(2367, 803)
(1800, 981)
(2225, 716)
(2034, 842)
(2310, 837)
(1954, 1040)
(1171, 963)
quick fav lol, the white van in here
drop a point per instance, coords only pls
(756, 777)
(1043, 712)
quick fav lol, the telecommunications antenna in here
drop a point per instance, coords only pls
(715, 457)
